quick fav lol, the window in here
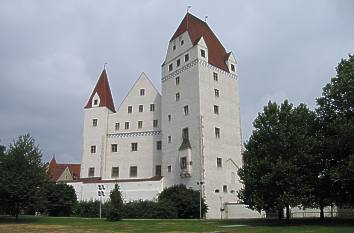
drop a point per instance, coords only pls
(95, 102)
(185, 109)
(177, 81)
(114, 147)
(169, 139)
(134, 146)
(158, 170)
(91, 172)
(178, 96)
(133, 171)
(217, 132)
(93, 149)
(158, 145)
(130, 109)
(126, 125)
(216, 190)
(117, 126)
(169, 117)
(169, 168)
(185, 134)
(216, 91)
(233, 67)
(174, 47)
(178, 62)
(216, 109)
(115, 171)
(182, 42)
(152, 107)
(186, 57)
(215, 75)
(142, 92)
(202, 53)
(170, 67)
(94, 122)
(140, 124)
(218, 162)
(184, 163)
(224, 188)
(141, 108)
(155, 123)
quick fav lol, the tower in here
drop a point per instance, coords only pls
(201, 134)
(97, 110)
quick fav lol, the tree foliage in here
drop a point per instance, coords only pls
(60, 199)
(185, 200)
(115, 212)
(21, 174)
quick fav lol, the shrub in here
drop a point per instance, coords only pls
(90, 209)
(149, 209)
(115, 211)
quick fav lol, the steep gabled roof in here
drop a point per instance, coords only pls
(104, 92)
(196, 29)
(56, 169)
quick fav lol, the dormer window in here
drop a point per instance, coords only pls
(95, 102)
(202, 53)
(232, 67)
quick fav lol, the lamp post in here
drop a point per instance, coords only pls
(101, 194)
(200, 198)
(221, 207)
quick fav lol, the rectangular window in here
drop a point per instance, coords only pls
(185, 134)
(216, 109)
(177, 81)
(140, 124)
(186, 57)
(133, 171)
(152, 107)
(185, 109)
(117, 126)
(115, 172)
(169, 139)
(178, 62)
(233, 67)
(170, 67)
(94, 122)
(218, 162)
(169, 117)
(224, 188)
(169, 168)
(217, 132)
(95, 102)
(182, 42)
(130, 109)
(174, 47)
(155, 123)
(158, 170)
(93, 149)
(141, 108)
(126, 125)
(91, 172)
(216, 91)
(158, 145)
(215, 75)
(184, 163)
(202, 53)
(114, 147)
(134, 146)
(142, 92)
(178, 96)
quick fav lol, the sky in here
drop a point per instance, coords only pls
(52, 53)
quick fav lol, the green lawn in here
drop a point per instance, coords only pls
(30, 224)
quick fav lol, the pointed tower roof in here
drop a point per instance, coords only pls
(196, 29)
(104, 92)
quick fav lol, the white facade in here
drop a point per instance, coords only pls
(190, 135)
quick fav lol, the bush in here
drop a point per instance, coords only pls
(115, 211)
(149, 209)
(90, 209)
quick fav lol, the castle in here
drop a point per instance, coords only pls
(189, 134)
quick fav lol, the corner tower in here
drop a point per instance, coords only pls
(200, 115)
(99, 106)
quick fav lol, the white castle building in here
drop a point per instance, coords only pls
(190, 134)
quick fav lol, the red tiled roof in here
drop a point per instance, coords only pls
(196, 29)
(56, 169)
(104, 92)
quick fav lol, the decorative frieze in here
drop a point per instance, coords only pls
(134, 134)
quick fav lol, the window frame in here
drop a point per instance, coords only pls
(114, 147)
(134, 146)
(115, 170)
(131, 171)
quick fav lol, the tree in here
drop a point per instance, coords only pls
(186, 201)
(21, 174)
(335, 110)
(60, 199)
(275, 159)
(115, 211)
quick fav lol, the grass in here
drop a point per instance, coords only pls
(31, 224)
